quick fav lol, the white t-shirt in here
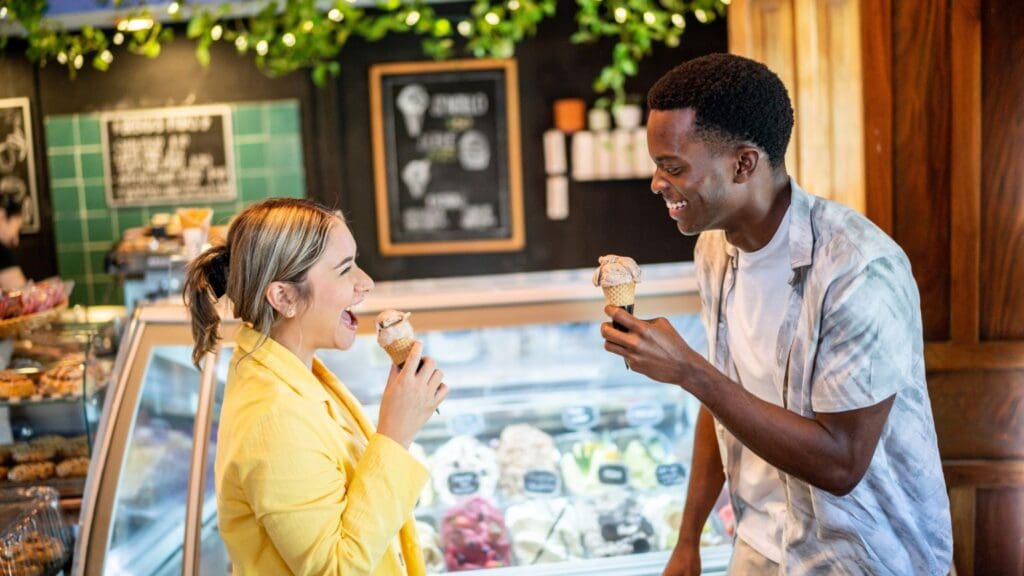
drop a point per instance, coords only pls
(754, 311)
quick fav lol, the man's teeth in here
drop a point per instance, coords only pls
(676, 205)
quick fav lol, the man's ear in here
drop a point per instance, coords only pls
(281, 296)
(747, 159)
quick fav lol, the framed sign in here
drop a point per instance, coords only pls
(446, 157)
(17, 159)
(168, 155)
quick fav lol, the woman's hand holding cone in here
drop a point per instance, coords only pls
(412, 394)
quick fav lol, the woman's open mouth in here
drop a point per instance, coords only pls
(349, 319)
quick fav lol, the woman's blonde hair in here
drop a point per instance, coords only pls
(276, 240)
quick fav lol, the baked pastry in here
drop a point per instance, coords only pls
(32, 553)
(5, 452)
(3, 472)
(31, 472)
(27, 453)
(73, 468)
(14, 385)
(64, 378)
(74, 448)
(53, 440)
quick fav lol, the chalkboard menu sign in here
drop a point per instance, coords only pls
(17, 159)
(446, 157)
(168, 156)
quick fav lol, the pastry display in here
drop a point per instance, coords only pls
(463, 467)
(430, 545)
(15, 385)
(523, 449)
(31, 472)
(64, 378)
(77, 447)
(474, 536)
(544, 530)
(73, 468)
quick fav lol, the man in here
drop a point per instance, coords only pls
(816, 403)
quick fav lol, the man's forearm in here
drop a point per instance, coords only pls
(706, 479)
(802, 447)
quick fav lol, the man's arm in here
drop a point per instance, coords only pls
(830, 451)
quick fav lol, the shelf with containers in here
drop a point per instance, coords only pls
(548, 456)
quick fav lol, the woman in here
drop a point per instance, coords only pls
(304, 483)
(11, 276)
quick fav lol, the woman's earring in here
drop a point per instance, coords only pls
(291, 312)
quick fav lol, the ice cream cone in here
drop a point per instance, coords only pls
(399, 350)
(620, 294)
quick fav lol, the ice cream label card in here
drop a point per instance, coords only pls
(645, 415)
(671, 474)
(612, 474)
(580, 417)
(463, 483)
(446, 157)
(540, 482)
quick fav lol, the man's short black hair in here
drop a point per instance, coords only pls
(733, 98)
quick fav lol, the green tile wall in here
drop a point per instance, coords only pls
(268, 163)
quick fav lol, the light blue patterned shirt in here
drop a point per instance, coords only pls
(850, 338)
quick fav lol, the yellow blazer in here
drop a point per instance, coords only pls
(304, 483)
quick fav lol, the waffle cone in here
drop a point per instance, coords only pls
(399, 350)
(620, 295)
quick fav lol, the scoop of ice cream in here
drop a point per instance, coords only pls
(616, 526)
(613, 270)
(581, 465)
(392, 326)
(521, 449)
(427, 494)
(430, 544)
(475, 536)
(665, 511)
(642, 457)
(454, 465)
(544, 530)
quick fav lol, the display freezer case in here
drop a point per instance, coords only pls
(548, 457)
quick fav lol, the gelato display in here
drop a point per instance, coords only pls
(463, 467)
(665, 512)
(526, 452)
(544, 530)
(615, 525)
(474, 536)
(591, 465)
(430, 545)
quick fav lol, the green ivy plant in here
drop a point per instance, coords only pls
(288, 35)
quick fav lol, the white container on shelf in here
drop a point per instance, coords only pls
(583, 156)
(598, 120)
(555, 161)
(643, 166)
(628, 116)
(622, 165)
(603, 154)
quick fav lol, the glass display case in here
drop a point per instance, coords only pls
(548, 457)
(52, 388)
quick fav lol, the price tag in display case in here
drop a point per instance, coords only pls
(645, 414)
(670, 474)
(580, 417)
(468, 424)
(540, 482)
(612, 474)
(463, 483)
